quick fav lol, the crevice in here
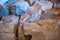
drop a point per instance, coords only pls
(27, 37)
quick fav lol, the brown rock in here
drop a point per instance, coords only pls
(38, 36)
(49, 31)
(53, 1)
(54, 11)
(9, 24)
(37, 6)
(31, 27)
(51, 14)
(20, 32)
(7, 36)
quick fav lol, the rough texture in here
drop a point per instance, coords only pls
(49, 31)
(20, 32)
(51, 14)
(19, 8)
(7, 36)
(9, 24)
(31, 27)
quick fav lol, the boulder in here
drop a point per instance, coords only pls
(7, 36)
(19, 8)
(9, 24)
(48, 31)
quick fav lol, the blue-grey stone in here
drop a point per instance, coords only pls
(3, 11)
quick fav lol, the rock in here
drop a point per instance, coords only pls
(28, 1)
(48, 31)
(31, 2)
(19, 8)
(2, 2)
(7, 36)
(10, 2)
(29, 28)
(48, 15)
(46, 5)
(31, 17)
(58, 25)
(54, 11)
(3, 11)
(38, 36)
(35, 17)
(42, 5)
(42, 30)
(53, 1)
(57, 5)
(9, 24)
(37, 5)
(21, 32)
(51, 14)
(33, 14)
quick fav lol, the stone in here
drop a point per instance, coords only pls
(51, 14)
(33, 14)
(48, 31)
(32, 1)
(37, 5)
(10, 2)
(9, 24)
(46, 5)
(2, 2)
(3, 11)
(31, 17)
(19, 8)
(21, 32)
(57, 5)
(30, 28)
(7, 36)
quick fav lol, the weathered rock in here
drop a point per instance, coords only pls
(33, 14)
(38, 36)
(46, 5)
(21, 32)
(3, 11)
(9, 24)
(43, 30)
(10, 2)
(49, 31)
(31, 2)
(53, 1)
(19, 8)
(57, 4)
(51, 14)
(2, 2)
(31, 27)
(37, 6)
(7, 36)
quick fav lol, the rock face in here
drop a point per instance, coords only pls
(57, 4)
(19, 8)
(9, 2)
(33, 14)
(51, 14)
(31, 27)
(9, 24)
(7, 36)
(20, 32)
(8, 27)
(49, 27)
(3, 11)
(46, 5)
(49, 31)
